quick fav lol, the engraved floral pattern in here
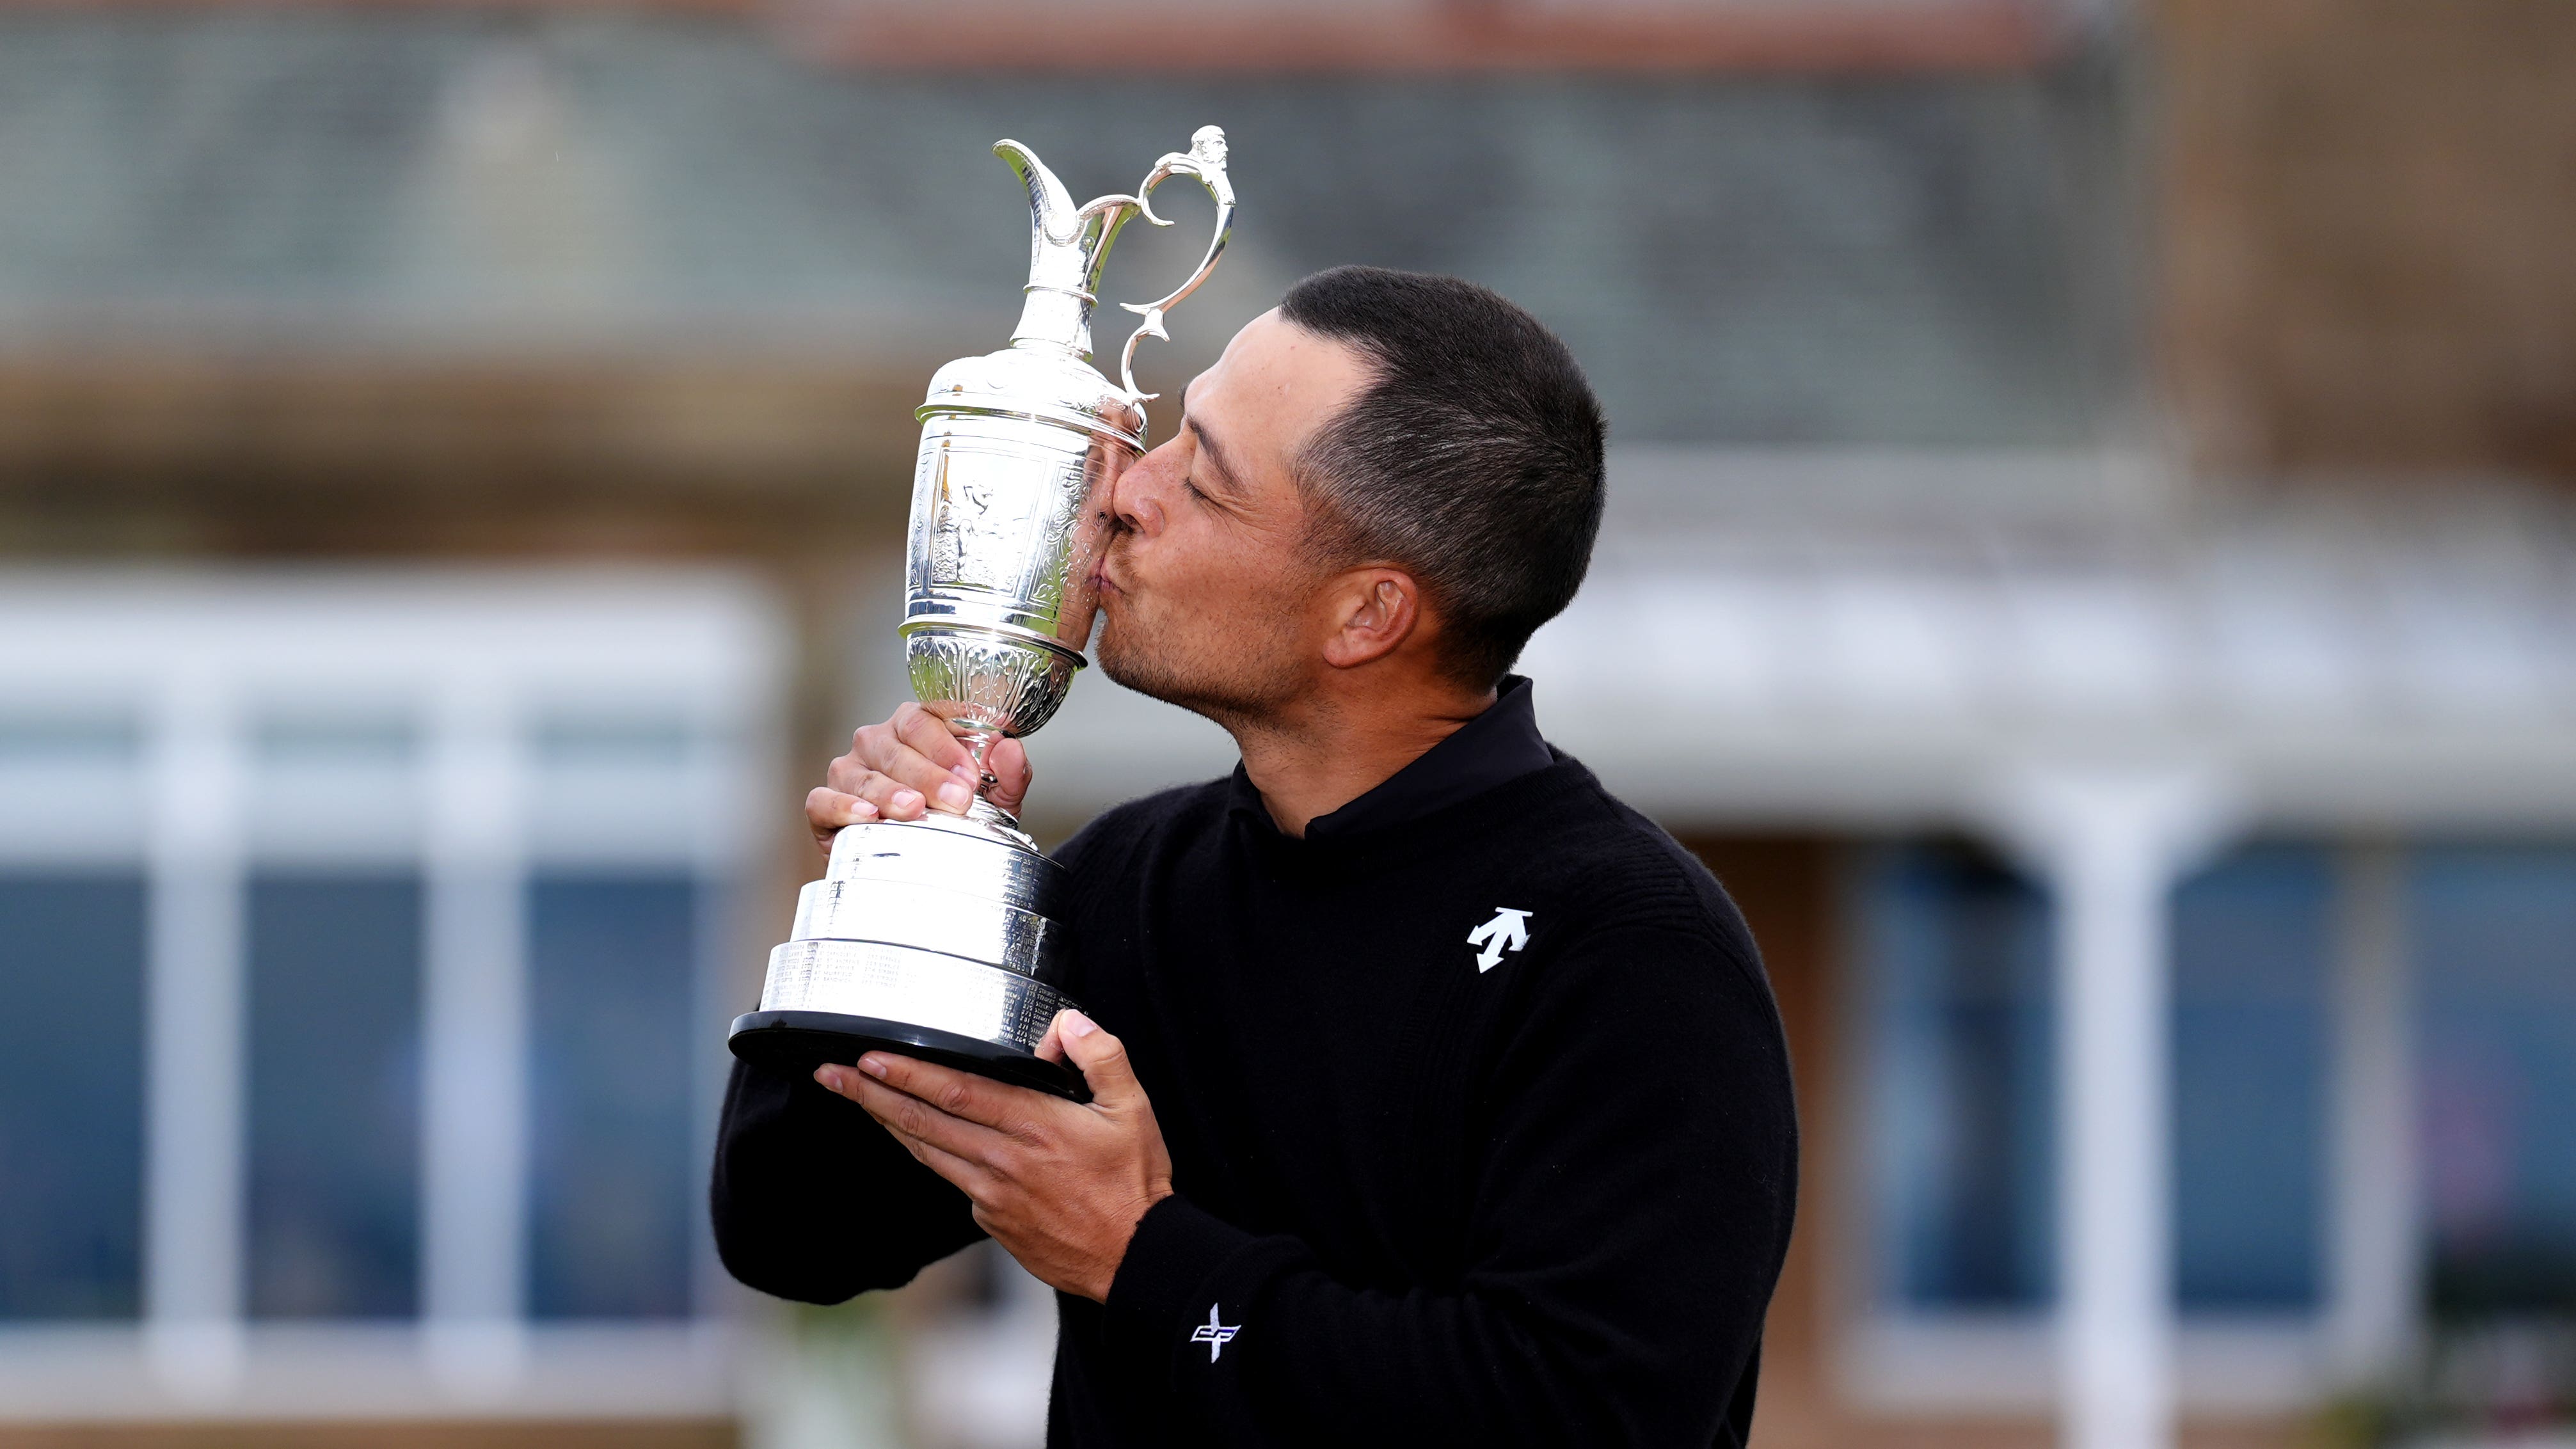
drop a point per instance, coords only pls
(986, 680)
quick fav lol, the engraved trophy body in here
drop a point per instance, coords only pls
(939, 937)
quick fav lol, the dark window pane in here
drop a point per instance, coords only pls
(2495, 956)
(1960, 1100)
(2252, 937)
(334, 1096)
(71, 1096)
(612, 1164)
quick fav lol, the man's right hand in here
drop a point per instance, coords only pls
(905, 767)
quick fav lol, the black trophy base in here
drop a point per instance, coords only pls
(797, 1042)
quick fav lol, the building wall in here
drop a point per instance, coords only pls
(2365, 223)
(1787, 887)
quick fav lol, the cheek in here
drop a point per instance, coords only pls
(1234, 586)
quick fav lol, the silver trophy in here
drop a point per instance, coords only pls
(938, 937)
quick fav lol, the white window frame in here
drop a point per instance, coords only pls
(472, 662)
(1971, 1364)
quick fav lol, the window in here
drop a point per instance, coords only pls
(71, 1094)
(359, 992)
(2494, 940)
(334, 1100)
(1958, 1002)
(2252, 938)
(1960, 1101)
(613, 1169)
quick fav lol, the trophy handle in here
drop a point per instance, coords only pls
(1205, 160)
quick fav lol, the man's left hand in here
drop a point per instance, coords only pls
(1060, 1184)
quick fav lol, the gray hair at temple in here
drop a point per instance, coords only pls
(1473, 461)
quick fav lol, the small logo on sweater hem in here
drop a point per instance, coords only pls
(1507, 931)
(1214, 1334)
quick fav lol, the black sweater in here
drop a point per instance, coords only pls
(1541, 1203)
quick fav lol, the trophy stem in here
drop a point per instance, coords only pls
(979, 743)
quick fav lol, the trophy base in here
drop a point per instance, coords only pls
(800, 1041)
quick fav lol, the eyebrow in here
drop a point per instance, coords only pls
(1225, 474)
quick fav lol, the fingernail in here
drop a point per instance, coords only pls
(862, 810)
(955, 796)
(872, 1064)
(829, 1077)
(1077, 1024)
(906, 800)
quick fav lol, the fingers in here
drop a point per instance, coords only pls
(918, 1123)
(1050, 1047)
(837, 1080)
(967, 1174)
(909, 764)
(1100, 1057)
(928, 736)
(892, 798)
(827, 810)
(971, 1178)
(993, 1108)
(889, 797)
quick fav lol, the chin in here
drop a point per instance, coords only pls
(1122, 664)
(1136, 666)
(1221, 689)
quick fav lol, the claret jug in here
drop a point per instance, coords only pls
(943, 937)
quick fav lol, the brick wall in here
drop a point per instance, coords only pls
(2369, 234)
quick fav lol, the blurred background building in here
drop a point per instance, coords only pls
(2089, 565)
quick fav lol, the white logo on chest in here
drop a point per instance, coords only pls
(1507, 931)
(1214, 1334)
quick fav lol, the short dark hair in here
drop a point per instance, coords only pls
(1472, 461)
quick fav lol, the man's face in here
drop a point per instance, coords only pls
(1207, 598)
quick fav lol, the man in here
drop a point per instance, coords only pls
(1438, 1098)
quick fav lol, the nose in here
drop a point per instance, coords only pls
(1138, 502)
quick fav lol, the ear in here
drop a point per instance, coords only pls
(1374, 611)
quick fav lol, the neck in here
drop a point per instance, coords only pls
(1344, 743)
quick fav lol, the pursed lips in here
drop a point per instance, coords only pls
(1103, 583)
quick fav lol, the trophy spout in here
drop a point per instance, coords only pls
(1068, 246)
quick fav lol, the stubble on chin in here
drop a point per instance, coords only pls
(1236, 683)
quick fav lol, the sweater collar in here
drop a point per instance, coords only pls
(1499, 745)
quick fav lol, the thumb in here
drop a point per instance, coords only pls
(1008, 762)
(1100, 1057)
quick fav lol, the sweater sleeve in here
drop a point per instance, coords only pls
(812, 1200)
(1629, 1216)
